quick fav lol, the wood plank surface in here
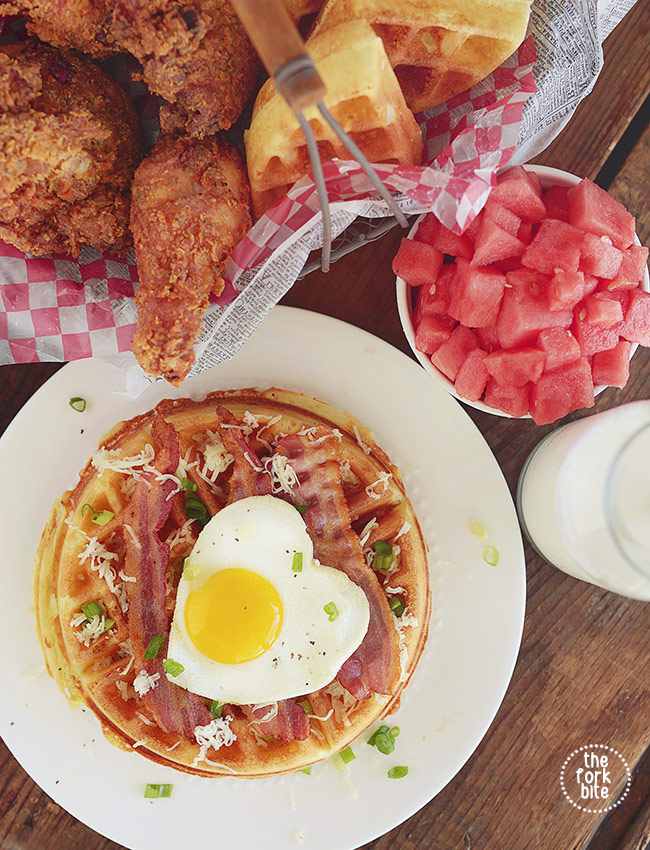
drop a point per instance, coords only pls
(584, 666)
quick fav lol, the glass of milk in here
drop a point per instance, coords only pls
(584, 499)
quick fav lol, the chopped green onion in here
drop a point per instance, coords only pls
(383, 556)
(347, 755)
(191, 571)
(306, 770)
(301, 508)
(268, 738)
(491, 556)
(195, 509)
(153, 647)
(108, 624)
(381, 731)
(398, 605)
(398, 772)
(394, 732)
(87, 505)
(296, 566)
(305, 705)
(384, 743)
(216, 708)
(186, 484)
(478, 530)
(102, 517)
(166, 790)
(172, 667)
(91, 609)
(382, 548)
(78, 404)
(155, 791)
(331, 610)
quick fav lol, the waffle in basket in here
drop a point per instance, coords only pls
(440, 48)
(96, 656)
(363, 96)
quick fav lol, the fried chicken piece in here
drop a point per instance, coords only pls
(191, 206)
(79, 24)
(196, 55)
(69, 144)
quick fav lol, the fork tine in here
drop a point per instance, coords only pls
(319, 180)
(368, 170)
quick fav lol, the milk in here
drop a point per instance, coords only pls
(584, 499)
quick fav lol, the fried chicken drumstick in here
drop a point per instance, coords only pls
(79, 24)
(69, 144)
(191, 205)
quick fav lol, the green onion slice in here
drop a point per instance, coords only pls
(296, 566)
(108, 624)
(153, 647)
(491, 556)
(172, 667)
(306, 770)
(301, 508)
(394, 732)
(155, 791)
(347, 755)
(381, 731)
(331, 610)
(478, 530)
(398, 772)
(384, 743)
(216, 708)
(78, 404)
(186, 484)
(103, 517)
(305, 705)
(195, 509)
(166, 790)
(383, 556)
(382, 548)
(91, 609)
(398, 605)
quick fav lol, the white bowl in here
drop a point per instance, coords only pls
(549, 177)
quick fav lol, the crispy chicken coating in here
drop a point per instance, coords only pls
(69, 144)
(196, 55)
(191, 205)
(79, 24)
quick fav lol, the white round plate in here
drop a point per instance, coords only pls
(476, 623)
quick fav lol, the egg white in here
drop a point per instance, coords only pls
(262, 534)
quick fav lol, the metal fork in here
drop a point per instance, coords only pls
(282, 50)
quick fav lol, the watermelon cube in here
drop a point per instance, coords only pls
(488, 339)
(523, 316)
(595, 211)
(599, 257)
(591, 337)
(434, 299)
(518, 191)
(561, 347)
(556, 245)
(636, 325)
(558, 393)
(509, 265)
(511, 400)
(432, 332)
(516, 366)
(525, 232)
(565, 289)
(612, 367)
(417, 263)
(632, 270)
(556, 203)
(493, 243)
(472, 376)
(473, 226)
(431, 231)
(602, 309)
(504, 217)
(453, 352)
(528, 280)
(476, 295)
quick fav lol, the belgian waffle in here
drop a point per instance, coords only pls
(363, 96)
(299, 8)
(78, 561)
(440, 48)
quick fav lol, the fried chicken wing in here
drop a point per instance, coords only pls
(69, 144)
(79, 24)
(191, 205)
(196, 55)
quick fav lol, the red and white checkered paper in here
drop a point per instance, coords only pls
(56, 308)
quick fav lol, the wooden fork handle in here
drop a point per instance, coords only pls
(281, 49)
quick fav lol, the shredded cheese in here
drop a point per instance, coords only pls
(270, 715)
(145, 720)
(367, 530)
(124, 576)
(324, 718)
(215, 457)
(347, 476)
(92, 629)
(407, 620)
(283, 476)
(215, 735)
(133, 536)
(384, 478)
(143, 682)
(366, 449)
(100, 562)
(135, 465)
(181, 535)
(126, 692)
(403, 530)
(343, 703)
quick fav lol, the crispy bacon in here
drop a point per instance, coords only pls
(289, 724)
(175, 709)
(375, 664)
(248, 477)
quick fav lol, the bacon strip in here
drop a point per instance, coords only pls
(375, 664)
(249, 478)
(175, 709)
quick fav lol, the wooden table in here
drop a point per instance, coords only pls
(583, 673)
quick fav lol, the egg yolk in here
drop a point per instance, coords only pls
(234, 616)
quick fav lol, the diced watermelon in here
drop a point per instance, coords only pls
(452, 354)
(556, 245)
(556, 202)
(561, 347)
(558, 393)
(592, 338)
(432, 332)
(511, 400)
(632, 270)
(472, 376)
(433, 300)
(636, 325)
(488, 338)
(509, 265)
(525, 232)
(599, 257)
(532, 282)
(523, 316)
(476, 295)
(417, 263)
(612, 367)
(518, 191)
(516, 366)
(493, 243)
(602, 309)
(505, 218)
(534, 179)
(472, 228)
(565, 289)
(431, 231)
(595, 211)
